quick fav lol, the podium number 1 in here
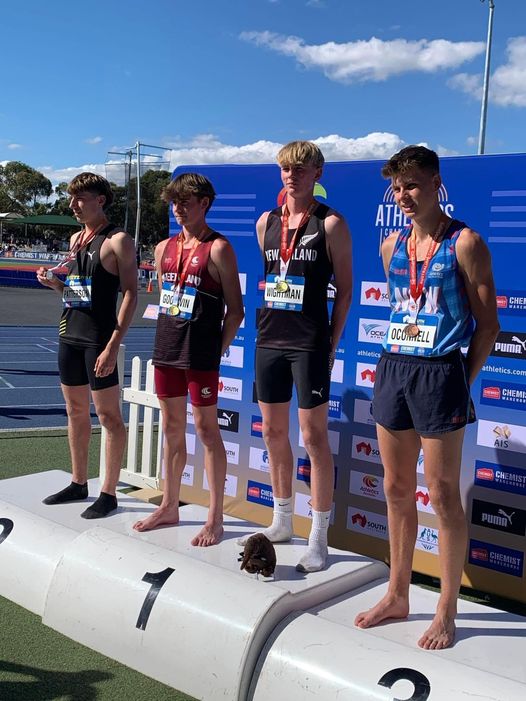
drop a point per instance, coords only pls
(157, 580)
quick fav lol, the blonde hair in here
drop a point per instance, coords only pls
(300, 153)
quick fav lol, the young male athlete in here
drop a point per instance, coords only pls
(197, 277)
(101, 261)
(304, 243)
(440, 282)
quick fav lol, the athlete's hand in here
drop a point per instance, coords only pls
(106, 361)
(41, 277)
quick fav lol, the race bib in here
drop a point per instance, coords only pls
(399, 341)
(77, 292)
(176, 303)
(284, 293)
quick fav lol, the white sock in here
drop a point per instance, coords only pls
(316, 555)
(280, 530)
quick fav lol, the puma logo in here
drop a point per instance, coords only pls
(90, 254)
(318, 392)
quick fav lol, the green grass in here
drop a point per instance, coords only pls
(36, 662)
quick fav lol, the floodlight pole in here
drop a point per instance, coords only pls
(484, 107)
(138, 217)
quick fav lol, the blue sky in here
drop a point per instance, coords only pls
(231, 80)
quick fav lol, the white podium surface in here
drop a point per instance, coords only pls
(186, 616)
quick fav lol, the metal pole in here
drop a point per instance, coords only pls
(484, 107)
(138, 217)
(127, 176)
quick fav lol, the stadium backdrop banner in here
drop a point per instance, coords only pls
(487, 192)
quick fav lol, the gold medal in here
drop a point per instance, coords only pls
(282, 286)
(412, 330)
(174, 310)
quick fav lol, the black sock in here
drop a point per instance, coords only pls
(75, 492)
(105, 504)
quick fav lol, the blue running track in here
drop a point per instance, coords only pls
(30, 395)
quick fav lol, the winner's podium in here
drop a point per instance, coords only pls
(190, 618)
(186, 616)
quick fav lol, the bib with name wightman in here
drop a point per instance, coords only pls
(288, 296)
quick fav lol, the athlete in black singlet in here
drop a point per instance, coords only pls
(303, 243)
(101, 261)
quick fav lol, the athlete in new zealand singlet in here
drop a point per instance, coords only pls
(304, 243)
(197, 275)
(101, 260)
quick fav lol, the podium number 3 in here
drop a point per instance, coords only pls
(7, 526)
(156, 579)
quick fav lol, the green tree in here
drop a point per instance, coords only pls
(23, 185)
(154, 212)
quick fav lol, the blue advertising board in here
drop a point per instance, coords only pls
(489, 194)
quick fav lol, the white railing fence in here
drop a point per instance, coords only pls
(143, 466)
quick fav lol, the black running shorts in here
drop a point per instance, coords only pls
(76, 366)
(277, 370)
(430, 395)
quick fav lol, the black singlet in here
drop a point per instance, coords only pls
(307, 329)
(92, 326)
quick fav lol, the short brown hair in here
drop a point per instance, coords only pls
(91, 182)
(411, 157)
(300, 153)
(187, 184)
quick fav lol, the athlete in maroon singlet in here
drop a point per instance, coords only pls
(197, 278)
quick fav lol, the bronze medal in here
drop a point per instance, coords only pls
(174, 310)
(282, 286)
(412, 330)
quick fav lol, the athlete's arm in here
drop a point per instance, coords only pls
(158, 257)
(224, 261)
(339, 249)
(261, 227)
(474, 262)
(387, 252)
(123, 249)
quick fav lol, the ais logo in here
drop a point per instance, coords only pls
(389, 218)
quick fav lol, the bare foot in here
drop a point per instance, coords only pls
(440, 634)
(388, 607)
(162, 516)
(210, 534)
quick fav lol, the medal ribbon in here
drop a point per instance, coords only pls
(416, 289)
(285, 252)
(80, 242)
(183, 274)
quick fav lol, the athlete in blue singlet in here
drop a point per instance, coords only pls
(442, 300)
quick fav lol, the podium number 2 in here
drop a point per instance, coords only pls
(156, 579)
(7, 526)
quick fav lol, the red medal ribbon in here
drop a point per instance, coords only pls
(415, 290)
(80, 243)
(182, 274)
(284, 250)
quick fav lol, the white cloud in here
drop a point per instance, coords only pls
(13, 147)
(507, 85)
(471, 140)
(374, 59)
(208, 149)
(94, 140)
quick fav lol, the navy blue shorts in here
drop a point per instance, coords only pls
(430, 395)
(76, 367)
(277, 370)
